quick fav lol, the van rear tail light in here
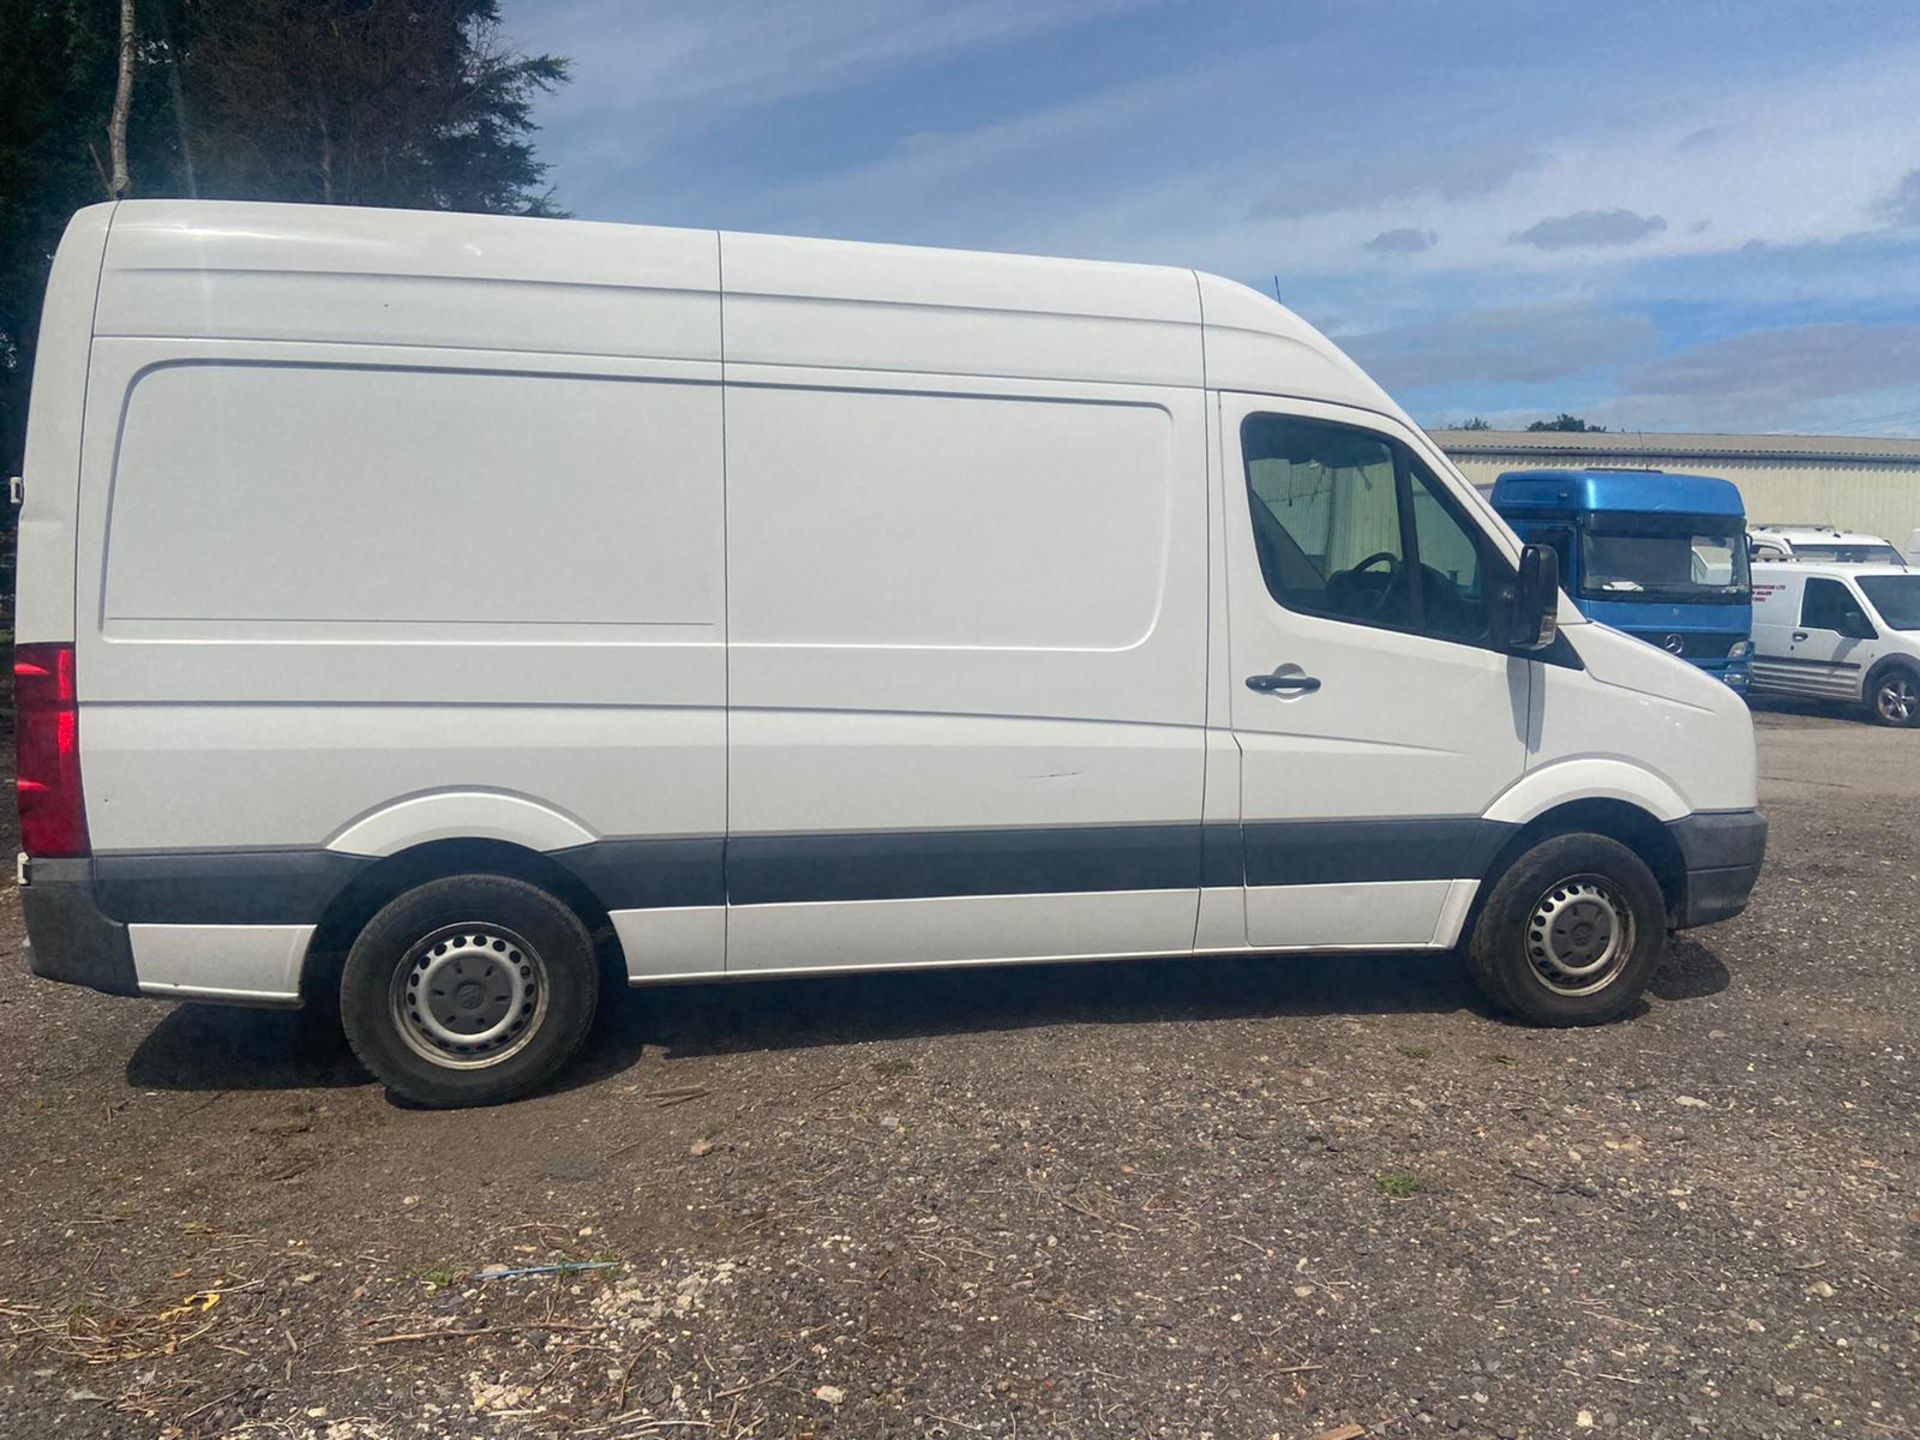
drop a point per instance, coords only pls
(46, 740)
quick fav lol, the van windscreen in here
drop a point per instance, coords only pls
(1896, 597)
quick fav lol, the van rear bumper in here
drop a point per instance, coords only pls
(69, 939)
(1723, 852)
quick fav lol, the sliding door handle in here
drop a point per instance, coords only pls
(1277, 683)
(1799, 635)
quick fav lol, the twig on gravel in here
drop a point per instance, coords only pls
(1086, 1210)
(667, 1102)
(626, 1378)
(1295, 1369)
(1252, 1245)
(756, 1384)
(949, 1420)
(482, 1330)
(202, 1409)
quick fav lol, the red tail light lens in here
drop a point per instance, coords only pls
(46, 739)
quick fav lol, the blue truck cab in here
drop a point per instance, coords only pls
(1662, 557)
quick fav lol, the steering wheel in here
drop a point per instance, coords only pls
(1393, 563)
(1372, 601)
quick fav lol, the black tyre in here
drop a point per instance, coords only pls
(1571, 934)
(1893, 696)
(469, 991)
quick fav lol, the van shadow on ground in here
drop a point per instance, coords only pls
(201, 1047)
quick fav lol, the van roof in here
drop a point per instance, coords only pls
(1818, 535)
(208, 267)
(1635, 491)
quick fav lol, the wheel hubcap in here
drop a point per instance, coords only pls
(1899, 699)
(469, 996)
(1580, 935)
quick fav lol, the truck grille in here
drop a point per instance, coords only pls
(1693, 645)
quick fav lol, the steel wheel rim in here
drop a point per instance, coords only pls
(469, 996)
(1580, 935)
(1898, 699)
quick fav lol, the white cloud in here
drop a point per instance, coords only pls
(1523, 345)
(696, 60)
(1778, 379)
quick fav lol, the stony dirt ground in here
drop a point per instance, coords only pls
(1192, 1198)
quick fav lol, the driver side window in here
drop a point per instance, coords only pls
(1350, 526)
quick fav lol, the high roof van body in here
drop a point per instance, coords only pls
(405, 598)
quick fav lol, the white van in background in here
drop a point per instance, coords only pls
(405, 598)
(1820, 543)
(1840, 632)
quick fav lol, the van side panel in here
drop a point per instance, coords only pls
(43, 605)
(333, 594)
(968, 610)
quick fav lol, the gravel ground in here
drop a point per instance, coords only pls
(1227, 1198)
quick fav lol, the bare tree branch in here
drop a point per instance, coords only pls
(122, 105)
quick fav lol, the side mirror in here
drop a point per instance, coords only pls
(1533, 618)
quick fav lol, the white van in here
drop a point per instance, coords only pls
(1820, 543)
(405, 598)
(1840, 632)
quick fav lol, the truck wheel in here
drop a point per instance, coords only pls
(1893, 695)
(469, 991)
(1571, 934)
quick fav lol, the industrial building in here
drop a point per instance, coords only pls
(1852, 482)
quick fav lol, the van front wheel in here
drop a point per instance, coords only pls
(1571, 934)
(1894, 697)
(469, 991)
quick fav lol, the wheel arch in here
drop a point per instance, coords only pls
(357, 902)
(1631, 824)
(1879, 673)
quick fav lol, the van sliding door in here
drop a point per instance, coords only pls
(968, 639)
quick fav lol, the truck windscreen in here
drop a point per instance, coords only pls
(1701, 558)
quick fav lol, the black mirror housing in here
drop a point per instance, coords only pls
(1532, 620)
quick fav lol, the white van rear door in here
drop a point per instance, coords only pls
(1376, 724)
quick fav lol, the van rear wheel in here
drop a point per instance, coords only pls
(469, 990)
(1571, 934)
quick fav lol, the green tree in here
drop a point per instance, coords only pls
(415, 103)
(1564, 421)
(1476, 423)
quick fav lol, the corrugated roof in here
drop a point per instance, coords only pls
(1564, 444)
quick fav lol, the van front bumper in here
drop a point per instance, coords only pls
(1723, 852)
(69, 939)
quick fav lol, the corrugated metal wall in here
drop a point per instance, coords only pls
(1879, 498)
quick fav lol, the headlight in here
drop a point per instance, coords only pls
(1741, 650)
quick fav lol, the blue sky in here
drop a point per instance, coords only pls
(1661, 214)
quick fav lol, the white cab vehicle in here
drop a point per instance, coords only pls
(407, 600)
(1820, 543)
(1849, 633)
